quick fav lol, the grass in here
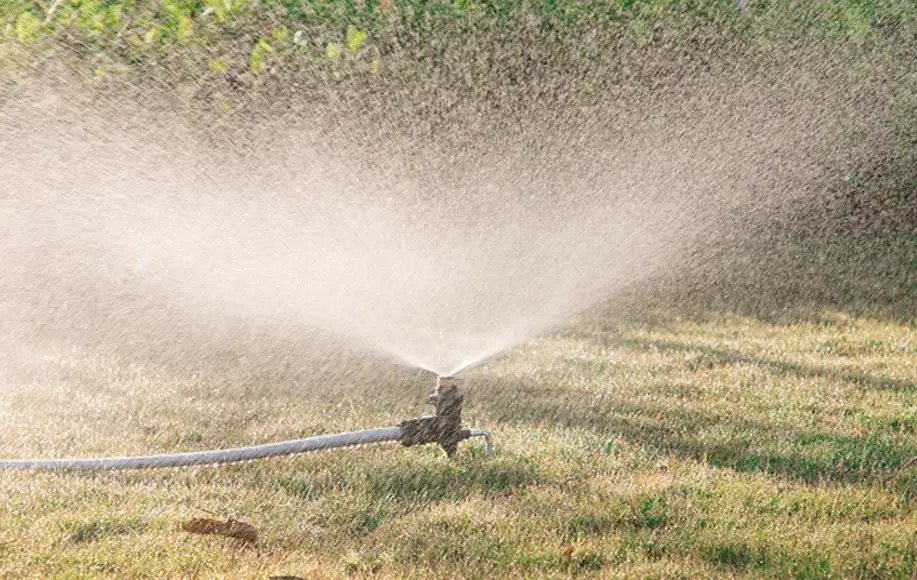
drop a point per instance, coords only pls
(706, 447)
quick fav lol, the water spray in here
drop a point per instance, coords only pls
(444, 428)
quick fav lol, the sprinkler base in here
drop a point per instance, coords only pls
(445, 427)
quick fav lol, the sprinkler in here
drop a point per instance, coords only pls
(443, 428)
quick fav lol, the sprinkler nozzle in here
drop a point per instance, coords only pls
(442, 382)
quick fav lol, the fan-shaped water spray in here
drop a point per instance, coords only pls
(439, 225)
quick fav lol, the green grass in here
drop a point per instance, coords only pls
(701, 447)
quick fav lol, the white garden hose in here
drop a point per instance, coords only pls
(214, 457)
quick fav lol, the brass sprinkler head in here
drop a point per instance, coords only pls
(445, 385)
(445, 427)
(443, 382)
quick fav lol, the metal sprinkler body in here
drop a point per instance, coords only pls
(445, 427)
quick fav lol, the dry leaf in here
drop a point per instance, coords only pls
(568, 553)
(231, 528)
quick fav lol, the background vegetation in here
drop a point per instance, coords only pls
(225, 61)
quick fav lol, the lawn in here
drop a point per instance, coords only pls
(662, 446)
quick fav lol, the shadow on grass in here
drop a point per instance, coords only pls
(419, 480)
(378, 489)
(776, 366)
(749, 445)
(94, 530)
(453, 481)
